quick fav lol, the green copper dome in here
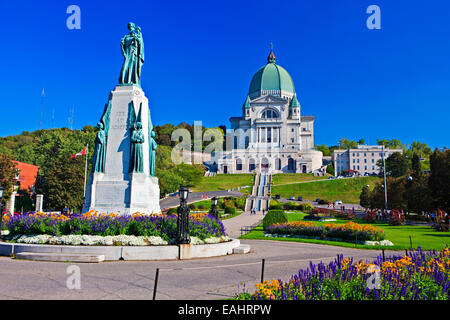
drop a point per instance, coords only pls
(271, 77)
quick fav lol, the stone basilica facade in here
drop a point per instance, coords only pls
(271, 135)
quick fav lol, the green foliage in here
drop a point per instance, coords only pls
(275, 205)
(7, 173)
(330, 169)
(274, 216)
(24, 202)
(229, 210)
(324, 149)
(438, 182)
(397, 164)
(364, 197)
(391, 143)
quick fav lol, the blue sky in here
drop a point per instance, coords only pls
(201, 56)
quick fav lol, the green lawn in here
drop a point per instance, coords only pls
(347, 190)
(287, 178)
(224, 182)
(424, 236)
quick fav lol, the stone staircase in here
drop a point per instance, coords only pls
(259, 200)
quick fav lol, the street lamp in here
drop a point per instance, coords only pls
(214, 211)
(385, 186)
(1, 209)
(183, 217)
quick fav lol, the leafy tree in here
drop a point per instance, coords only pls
(7, 173)
(324, 149)
(391, 143)
(24, 201)
(397, 164)
(364, 197)
(421, 149)
(416, 167)
(330, 169)
(347, 144)
(438, 182)
(64, 183)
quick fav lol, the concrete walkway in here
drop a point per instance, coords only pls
(233, 226)
(174, 201)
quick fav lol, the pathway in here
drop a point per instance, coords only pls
(174, 201)
(210, 278)
(233, 226)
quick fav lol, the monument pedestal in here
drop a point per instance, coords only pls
(118, 189)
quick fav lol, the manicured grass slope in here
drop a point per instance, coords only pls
(223, 182)
(347, 190)
(424, 236)
(288, 178)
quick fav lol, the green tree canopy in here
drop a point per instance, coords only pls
(397, 164)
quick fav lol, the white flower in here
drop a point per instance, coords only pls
(195, 240)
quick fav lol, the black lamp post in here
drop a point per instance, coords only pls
(1, 208)
(183, 236)
(214, 211)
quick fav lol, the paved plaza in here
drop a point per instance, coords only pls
(210, 278)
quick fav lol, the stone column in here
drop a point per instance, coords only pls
(39, 202)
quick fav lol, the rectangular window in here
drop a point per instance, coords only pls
(373, 161)
(365, 160)
(373, 167)
(358, 167)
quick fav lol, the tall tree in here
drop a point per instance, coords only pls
(397, 164)
(63, 183)
(7, 173)
(438, 182)
(364, 197)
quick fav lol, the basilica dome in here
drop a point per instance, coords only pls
(271, 79)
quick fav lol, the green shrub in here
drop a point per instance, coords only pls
(229, 210)
(322, 201)
(275, 205)
(306, 207)
(240, 203)
(191, 206)
(274, 216)
(291, 206)
(201, 207)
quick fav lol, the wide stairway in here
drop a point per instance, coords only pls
(259, 200)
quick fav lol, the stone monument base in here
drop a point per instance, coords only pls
(123, 195)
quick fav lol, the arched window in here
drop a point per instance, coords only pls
(291, 164)
(238, 164)
(269, 114)
(251, 165)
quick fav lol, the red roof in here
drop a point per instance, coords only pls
(27, 174)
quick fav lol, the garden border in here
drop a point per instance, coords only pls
(130, 253)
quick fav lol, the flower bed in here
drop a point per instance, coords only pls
(418, 276)
(348, 232)
(120, 240)
(160, 229)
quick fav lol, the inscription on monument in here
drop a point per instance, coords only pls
(120, 122)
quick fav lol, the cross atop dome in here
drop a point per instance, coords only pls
(271, 58)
